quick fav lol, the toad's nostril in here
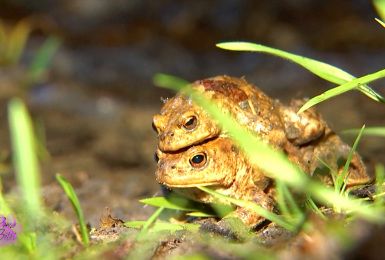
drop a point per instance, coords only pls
(173, 167)
(171, 134)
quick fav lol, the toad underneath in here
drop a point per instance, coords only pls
(193, 150)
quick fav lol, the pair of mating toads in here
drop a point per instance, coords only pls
(193, 150)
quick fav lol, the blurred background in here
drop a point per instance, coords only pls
(85, 68)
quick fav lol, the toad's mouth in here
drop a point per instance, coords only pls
(199, 142)
(190, 185)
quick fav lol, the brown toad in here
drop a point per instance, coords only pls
(181, 123)
(221, 165)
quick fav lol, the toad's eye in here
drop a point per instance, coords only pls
(190, 123)
(198, 160)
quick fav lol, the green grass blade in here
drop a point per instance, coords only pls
(70, 192)
(148, 223)
(342, 178)
(177, 203)
(25, 158)
(371, 131)
(380, 22)
(321, 69)
(43, 58)
(163, 226)
(380, 8)
(343, 88)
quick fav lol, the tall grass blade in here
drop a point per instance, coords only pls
(70, 192)
(24, 157)
(321, 69)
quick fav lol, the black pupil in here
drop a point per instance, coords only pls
(190, 122)
(198, 158)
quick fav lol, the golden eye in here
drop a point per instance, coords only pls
(190, 123)
(198, 160)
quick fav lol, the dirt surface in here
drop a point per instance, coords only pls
(97, 103)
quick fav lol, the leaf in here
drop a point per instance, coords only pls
(343, 88)
(321, 69)
(70, 192)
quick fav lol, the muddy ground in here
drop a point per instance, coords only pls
(98, 100)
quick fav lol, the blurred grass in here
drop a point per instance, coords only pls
(13, 41)
(25, 159)
(42, 59)
(380, 8)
